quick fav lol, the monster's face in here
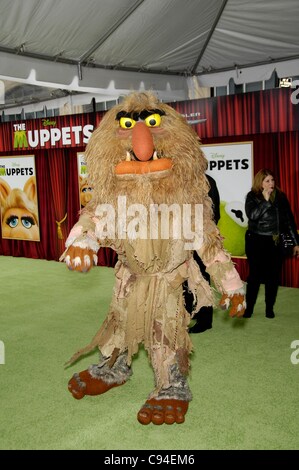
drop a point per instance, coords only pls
(140, 128)
(146, 150)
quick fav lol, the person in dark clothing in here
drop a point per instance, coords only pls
(214, 195)
(204, 317)
(269, 214)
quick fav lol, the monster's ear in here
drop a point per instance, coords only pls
(30, 188)
(4, 190)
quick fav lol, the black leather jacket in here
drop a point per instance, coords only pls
(267, 218)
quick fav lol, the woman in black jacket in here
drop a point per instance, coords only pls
(269, 214)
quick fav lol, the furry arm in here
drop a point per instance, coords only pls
(227, 281)
(81, 246)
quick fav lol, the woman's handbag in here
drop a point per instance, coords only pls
(286, 243)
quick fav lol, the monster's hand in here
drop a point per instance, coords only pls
(235, 302)
(80, 259)
(228, 283)
(81, 249)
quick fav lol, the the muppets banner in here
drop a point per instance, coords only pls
(46, 133)
(231, 166)
(18, 193)
(85, 189)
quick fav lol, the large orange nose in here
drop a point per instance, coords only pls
(142, 142)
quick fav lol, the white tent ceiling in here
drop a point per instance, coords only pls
(110, 47)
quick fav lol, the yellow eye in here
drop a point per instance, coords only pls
(154, 120)
(126, 122)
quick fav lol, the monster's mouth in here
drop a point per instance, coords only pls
(131, 166)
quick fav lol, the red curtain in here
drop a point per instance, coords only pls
(59, 182)
(288, 170)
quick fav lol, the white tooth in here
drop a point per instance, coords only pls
(128, 157)
(155, 156)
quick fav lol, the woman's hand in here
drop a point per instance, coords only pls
(267, 193)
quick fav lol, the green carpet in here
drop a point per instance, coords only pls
(244, 385)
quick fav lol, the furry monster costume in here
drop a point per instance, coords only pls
(143, 158)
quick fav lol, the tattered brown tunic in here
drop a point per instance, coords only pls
(147, 304)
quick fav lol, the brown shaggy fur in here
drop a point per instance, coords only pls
(186, 183)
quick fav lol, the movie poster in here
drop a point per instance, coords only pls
(85, 189)
(18, 198)
(231, 166)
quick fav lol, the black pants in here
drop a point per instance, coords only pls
(265, 262)
(204, 317)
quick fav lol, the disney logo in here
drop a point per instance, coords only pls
(47, 122)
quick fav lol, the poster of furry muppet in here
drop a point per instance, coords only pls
(18, 198)
(150, 204)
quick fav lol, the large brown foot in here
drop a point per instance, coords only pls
(168, 411)
(84, 384)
